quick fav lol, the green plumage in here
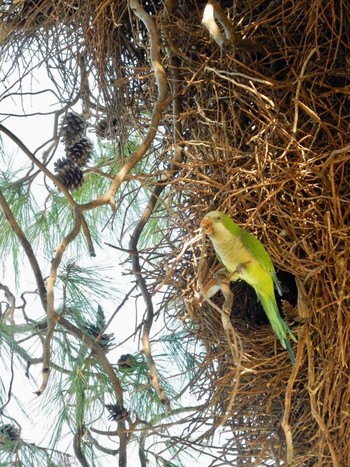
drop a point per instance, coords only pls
(246, 258)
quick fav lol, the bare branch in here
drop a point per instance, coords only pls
(9, 313)
(52, 316)
(141, 282)
(39, 164)
(162, 84)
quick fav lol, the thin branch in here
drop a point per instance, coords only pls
(9, 313)
(9, 392)
(141, 282)
(118, 390)
(79, 433)
(52, 316)
(27, 249)
(162, 84)
(40, 165)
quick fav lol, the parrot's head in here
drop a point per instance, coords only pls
(212, 222)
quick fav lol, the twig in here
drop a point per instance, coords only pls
(52, 316)
(118, 390)
(288, 400)
(297, 92)
(141, 282)
(27, 249)
(312, 389)
(9, 313)
(36, 161)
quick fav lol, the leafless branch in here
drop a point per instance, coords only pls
(52, 316)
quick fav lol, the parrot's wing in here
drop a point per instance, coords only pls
(250, 242)
(257, 249)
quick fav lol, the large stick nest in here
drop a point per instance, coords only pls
(264, 137)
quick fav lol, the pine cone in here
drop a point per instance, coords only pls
(73, 128)
(105, 341)
(80, 152)
(8, 433)
(116, 412)
(69, 174)
(106, 128)
(127, 361)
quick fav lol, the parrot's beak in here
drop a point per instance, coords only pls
(207, 225)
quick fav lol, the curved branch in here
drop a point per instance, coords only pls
(162, 85)
(141, 282)
(118, 390)
(27, 249)
(163, 92)
(95, 443)
(52, 316)
(39, 164)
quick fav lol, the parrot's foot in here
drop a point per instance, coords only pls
(221, 273)
(240, 268)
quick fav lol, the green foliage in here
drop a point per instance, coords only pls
(83, 285)
(21, 202)
(183, 355)
(31, 455)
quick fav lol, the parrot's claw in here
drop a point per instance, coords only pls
(222, 275)
(240, 268)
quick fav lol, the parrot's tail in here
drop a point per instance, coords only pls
(280, 328)
(290, 351)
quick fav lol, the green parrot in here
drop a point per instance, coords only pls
(245, 258)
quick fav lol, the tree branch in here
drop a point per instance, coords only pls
(118, 390)
(27, 249)
(162, 84)
(39, 164)
(141, 282)
(52, 316)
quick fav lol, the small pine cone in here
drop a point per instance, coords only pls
(105, 341)
(8, 433)
(106, 129)
(73, 128)
(80, 152)
(69, 174)
(116, 412)
(127, 361)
